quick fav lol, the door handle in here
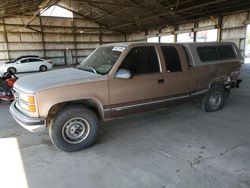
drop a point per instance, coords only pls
(160, 81)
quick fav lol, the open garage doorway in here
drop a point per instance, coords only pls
(247, 48)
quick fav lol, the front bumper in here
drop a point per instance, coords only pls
(30, 123)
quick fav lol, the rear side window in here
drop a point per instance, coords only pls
(226, 52)
(172, 59)
(215, 53)
(35, 60)
(208, 53)
(141, 60)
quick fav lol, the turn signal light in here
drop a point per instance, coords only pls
(31, 100)
(32, 108)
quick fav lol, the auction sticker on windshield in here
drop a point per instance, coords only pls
(118, 48)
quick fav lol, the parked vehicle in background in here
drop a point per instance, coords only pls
(21, 57)
(122, 79)
(27, 64)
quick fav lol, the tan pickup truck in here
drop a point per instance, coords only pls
(122, 79)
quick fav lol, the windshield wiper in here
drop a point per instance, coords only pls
(92, 69)
(89, 69)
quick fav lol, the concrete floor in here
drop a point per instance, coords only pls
(179, 147)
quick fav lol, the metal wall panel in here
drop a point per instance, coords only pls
(53, 37)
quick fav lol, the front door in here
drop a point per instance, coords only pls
(23, 65)
(138, 93)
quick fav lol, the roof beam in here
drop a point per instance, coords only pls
(104, 3)
(123, 10)
(43, 5)
(170, 12)
(16, 5)
(89, 18)
(152, 11)
(109, 12)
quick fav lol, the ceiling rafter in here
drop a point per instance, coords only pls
(104, 3)
(42, 6)
(170, 12)
(89, 18)
(127, 16)
(19, 4)
(150, 10)
(126, 10)
(109, 12)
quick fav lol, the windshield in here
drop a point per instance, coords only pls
(102, 59)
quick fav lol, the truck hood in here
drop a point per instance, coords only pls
(57, 78)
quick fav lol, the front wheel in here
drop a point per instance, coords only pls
(214, 99)
(74, 128)
(12, 70)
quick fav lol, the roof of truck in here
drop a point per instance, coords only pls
(184, 43)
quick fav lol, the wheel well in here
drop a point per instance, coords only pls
(216, 82)
(89, 103)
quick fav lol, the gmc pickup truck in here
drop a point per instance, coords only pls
(121, 79)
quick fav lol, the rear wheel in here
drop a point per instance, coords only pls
(74, 128)
(43, 68)
(12, 70)
(214, 99)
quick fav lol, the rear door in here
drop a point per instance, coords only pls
(35, 64)
(177, 80)
(145, 86)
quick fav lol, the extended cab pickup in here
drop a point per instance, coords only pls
(122, 79)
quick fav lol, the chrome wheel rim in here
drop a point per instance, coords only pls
(215, 100)
(75, 130)
(12, 70)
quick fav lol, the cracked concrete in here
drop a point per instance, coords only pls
(180, 147)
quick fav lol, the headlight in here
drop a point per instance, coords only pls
(27, 102)
(3, 68)
(27, 98)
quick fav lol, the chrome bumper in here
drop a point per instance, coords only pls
(30, 123)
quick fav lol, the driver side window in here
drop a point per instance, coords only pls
(141, 60)
(24, 61)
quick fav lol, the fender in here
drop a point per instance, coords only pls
(93, 103)
(219, 80)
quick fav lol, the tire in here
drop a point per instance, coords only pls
(214, 99)
(75, 127)
(43, 68)
(12, 69)
(227, 92)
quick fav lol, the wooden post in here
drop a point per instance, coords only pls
(195, 33)
(220, 28)
(75, 44)
(42, 32)
(175, 35)
(6, 39)
(100, 36)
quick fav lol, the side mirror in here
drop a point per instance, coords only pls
(123, 74)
